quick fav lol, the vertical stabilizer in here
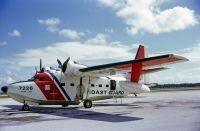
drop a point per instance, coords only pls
(140, 52)
(137, 67)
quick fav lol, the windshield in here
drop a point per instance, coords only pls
(32, 79)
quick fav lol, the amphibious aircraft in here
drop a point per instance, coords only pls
(73, 83)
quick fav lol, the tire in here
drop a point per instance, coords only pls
(25, 107)
(65, 105)
(87, 103)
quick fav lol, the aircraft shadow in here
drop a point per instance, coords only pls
(14, 116)
(115, 104)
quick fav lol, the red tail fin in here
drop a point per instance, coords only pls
(137, 67)
(140, 52)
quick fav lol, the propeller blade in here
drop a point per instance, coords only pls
(64, 66)
(59, 63)
(40, 64)
(36, 69)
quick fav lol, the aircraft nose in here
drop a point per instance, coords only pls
(4, 89)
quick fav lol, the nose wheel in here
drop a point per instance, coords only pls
(87, 103)
(25, 107)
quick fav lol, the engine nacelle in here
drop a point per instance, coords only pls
(73, 68)
(134, 87)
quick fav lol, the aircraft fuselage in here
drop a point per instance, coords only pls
(54, 88)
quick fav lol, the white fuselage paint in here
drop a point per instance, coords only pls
(93, 88)
(28, 91)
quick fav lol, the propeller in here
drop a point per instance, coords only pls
(64, 65)
(59, 63)
(36, 71)
(40, 65)
(41, 68)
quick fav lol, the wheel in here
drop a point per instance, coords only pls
(135, 94)
(65, 105)
(87, 103)
(25, 107)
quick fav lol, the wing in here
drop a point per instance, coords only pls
(153, 70)
(125, 66)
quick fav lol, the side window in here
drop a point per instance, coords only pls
(62, 84)
(107, 85)
(112, 84)
(72, 84)
(100, 85)
(92, 85)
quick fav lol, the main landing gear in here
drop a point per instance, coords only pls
(25, 107)
(65, 105)
(87, 103)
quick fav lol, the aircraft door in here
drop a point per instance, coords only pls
(112, 84)
(80, 90)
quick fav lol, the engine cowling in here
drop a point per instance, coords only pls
(73, 68)
(134, 87)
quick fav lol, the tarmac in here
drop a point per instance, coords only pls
(155, 111)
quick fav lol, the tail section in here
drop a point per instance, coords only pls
(137, 67)
(140, 52)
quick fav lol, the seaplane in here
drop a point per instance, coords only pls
(73, 83)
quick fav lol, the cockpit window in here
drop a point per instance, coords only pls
(36, 78)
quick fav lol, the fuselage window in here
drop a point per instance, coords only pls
(72, 84)
(62, 84)
(92, 85)
(107, 85)
(112, 84)
(100, 85)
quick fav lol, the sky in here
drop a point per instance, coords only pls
(95, 32)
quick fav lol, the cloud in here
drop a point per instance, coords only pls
(3, 43)
(6, 77)
(89, 53)
(71, 34)
(52, 26)
(21, 67)
(146, 16)
(183, 72)
(98, 39)
(94, 54)
(9, 79)
(76, 50)
(191, 53)
(97, 48)
(6, 80)
(18, 68)
(14, 33)
(108, 30)
(10, 75)
(51, 23)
